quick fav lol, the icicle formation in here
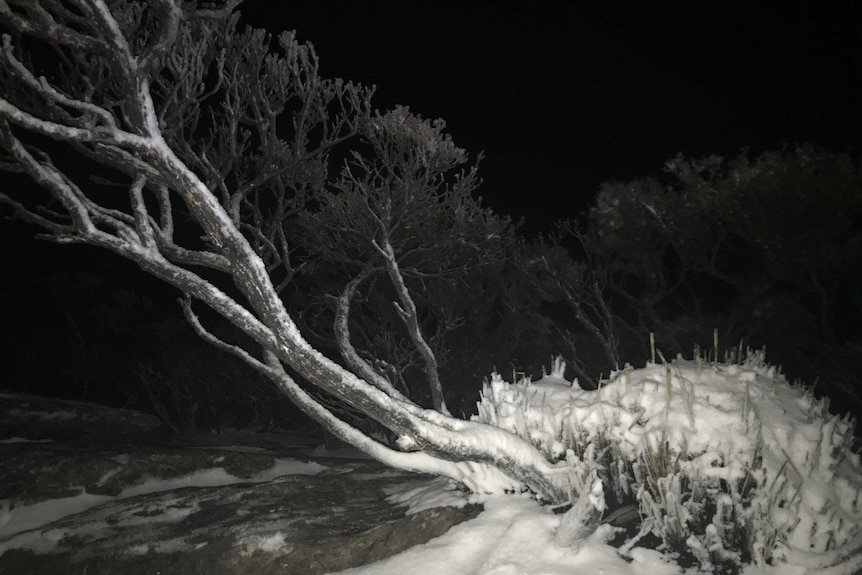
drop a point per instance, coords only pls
(728, 463)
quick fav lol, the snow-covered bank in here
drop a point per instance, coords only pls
(729, 463)
(732, 467)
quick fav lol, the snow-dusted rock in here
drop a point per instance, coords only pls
(70, 508)
(201, 511)
(31, 417)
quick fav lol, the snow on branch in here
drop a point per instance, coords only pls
(211, 185)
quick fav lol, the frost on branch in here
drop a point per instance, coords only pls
(206, 143)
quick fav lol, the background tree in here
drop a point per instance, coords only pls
(410, 263)
(206, 140)
(762, 249)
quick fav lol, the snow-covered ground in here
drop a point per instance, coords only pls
(702, 449)
(514, 535)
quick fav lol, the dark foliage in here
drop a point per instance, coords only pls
(760, 252)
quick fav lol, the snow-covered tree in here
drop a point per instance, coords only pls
(401, 224)
(204, 141)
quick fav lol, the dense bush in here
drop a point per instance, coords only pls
(764, 250)
(727, 463)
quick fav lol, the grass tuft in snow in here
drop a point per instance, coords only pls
(727, 463)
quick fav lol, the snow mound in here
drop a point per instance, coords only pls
(729, 464)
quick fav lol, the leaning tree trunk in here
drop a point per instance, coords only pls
(100, 105)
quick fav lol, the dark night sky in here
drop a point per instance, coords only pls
(564, 95)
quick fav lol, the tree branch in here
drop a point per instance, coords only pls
(342, 333)
(103, 76)
(410, 317)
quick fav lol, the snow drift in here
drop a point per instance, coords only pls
(728, 463)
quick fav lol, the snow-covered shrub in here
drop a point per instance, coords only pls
(728, 463)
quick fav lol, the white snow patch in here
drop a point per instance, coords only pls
(514, 535)
(437, 492)
(274, 543)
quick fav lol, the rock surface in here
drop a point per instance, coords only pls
(36, 417)
(166, 509)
